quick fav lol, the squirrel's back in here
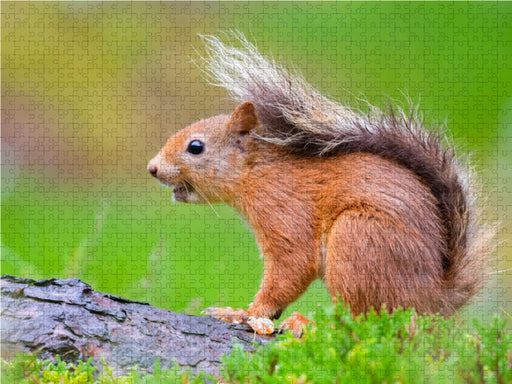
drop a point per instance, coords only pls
(297, 118)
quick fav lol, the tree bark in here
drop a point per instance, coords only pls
(67, 318)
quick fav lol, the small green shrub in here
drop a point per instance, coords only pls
(398, 348)
(27, 369)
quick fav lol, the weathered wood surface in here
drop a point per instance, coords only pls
(67, 318)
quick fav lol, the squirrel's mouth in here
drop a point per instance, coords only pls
(183, 191)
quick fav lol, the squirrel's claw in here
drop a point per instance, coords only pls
(231, 315)
(261, 325)
(295, 324)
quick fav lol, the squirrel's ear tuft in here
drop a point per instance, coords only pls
(243, 118)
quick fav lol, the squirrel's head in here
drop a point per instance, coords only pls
(204, 161)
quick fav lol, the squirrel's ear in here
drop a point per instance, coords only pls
(243, 118)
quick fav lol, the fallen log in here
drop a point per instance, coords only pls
(67, 318)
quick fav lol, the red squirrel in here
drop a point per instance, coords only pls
(374, 204)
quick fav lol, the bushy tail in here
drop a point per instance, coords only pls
(295, 115)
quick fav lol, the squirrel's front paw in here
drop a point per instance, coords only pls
(261, 325)
(231, 315)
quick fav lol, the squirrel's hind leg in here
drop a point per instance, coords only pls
(295, 324)
(372, 260)
(353, 262)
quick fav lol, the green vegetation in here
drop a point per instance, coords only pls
(398, 348)
(27, 369)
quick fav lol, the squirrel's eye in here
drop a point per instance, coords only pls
(195, 147)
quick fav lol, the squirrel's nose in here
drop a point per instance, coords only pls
(152, 169)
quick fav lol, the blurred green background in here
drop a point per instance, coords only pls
(91, 91)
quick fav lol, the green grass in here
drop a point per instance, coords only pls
(398, 348)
